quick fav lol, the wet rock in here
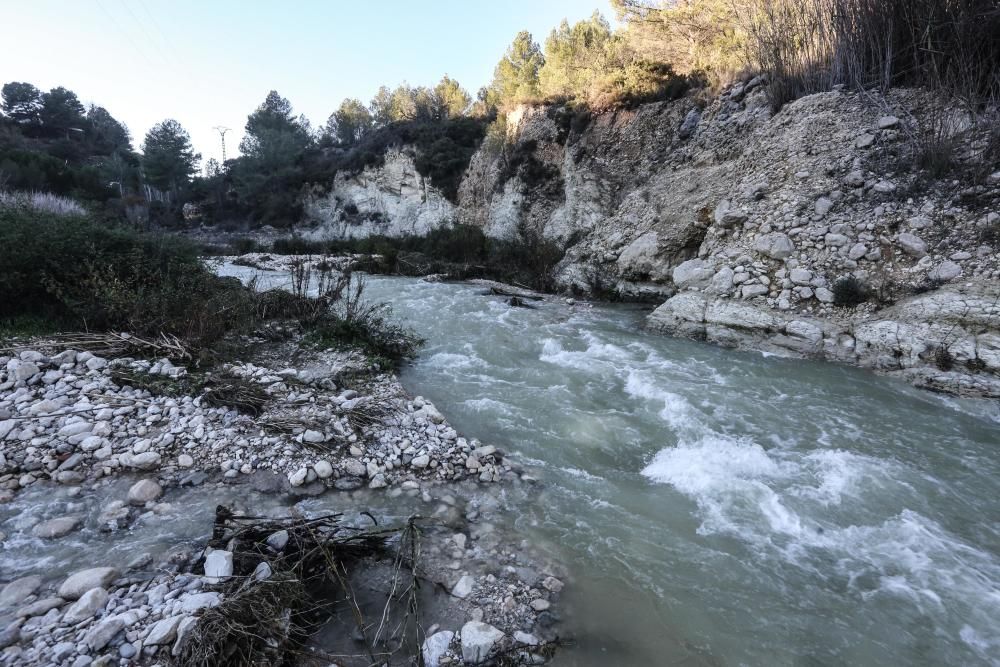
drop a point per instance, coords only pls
(80, 582)
(16, 591)
(478, 640)
(348, 483)
(265, 481)
(39, 607)
(144, 491)
(194, 479)
(552, 584)
(140, 561)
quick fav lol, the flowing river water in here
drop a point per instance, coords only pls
(718, 507)
(713, 507)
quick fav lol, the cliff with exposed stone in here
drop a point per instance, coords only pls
(739, 222)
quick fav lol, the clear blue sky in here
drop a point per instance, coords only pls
(208, 63)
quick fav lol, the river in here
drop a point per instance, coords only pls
(719, 507)
(713, 507)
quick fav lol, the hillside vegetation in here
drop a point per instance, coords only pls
(662, 50)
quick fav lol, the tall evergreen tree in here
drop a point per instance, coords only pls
(516, 75)
(22, 102)
(168, 160)
(61, 112)
(348, 124)
(381, 107)
(452, 99)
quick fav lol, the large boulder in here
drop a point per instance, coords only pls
(16, 591)
(80, 582)
(693, 274)
(86, 607)
(144, 491)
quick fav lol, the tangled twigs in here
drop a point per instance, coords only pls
(281, 590)
(119, 344)
(242, 395)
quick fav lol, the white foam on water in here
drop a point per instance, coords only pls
(596, 352)
(490, 405)
(582, 474)
(453, 360)
(677, 411)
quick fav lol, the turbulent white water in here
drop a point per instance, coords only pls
(719, 507)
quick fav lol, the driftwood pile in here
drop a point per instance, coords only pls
(289, 577)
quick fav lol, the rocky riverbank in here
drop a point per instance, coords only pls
(739, 221)
(293, 424)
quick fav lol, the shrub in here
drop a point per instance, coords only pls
(79, 273)
(943, 358)
(244, 246)
(849, 291)
(370, 326)
(296, 245)
(43, 202)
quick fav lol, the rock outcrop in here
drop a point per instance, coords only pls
(390, 200)
(740, 222)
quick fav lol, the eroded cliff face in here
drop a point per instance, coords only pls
(740, 222)
(390, 200)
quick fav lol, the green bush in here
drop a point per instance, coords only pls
(355, 322)
(82, 274)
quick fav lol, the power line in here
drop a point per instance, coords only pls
(124, 32)
(222, 135)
